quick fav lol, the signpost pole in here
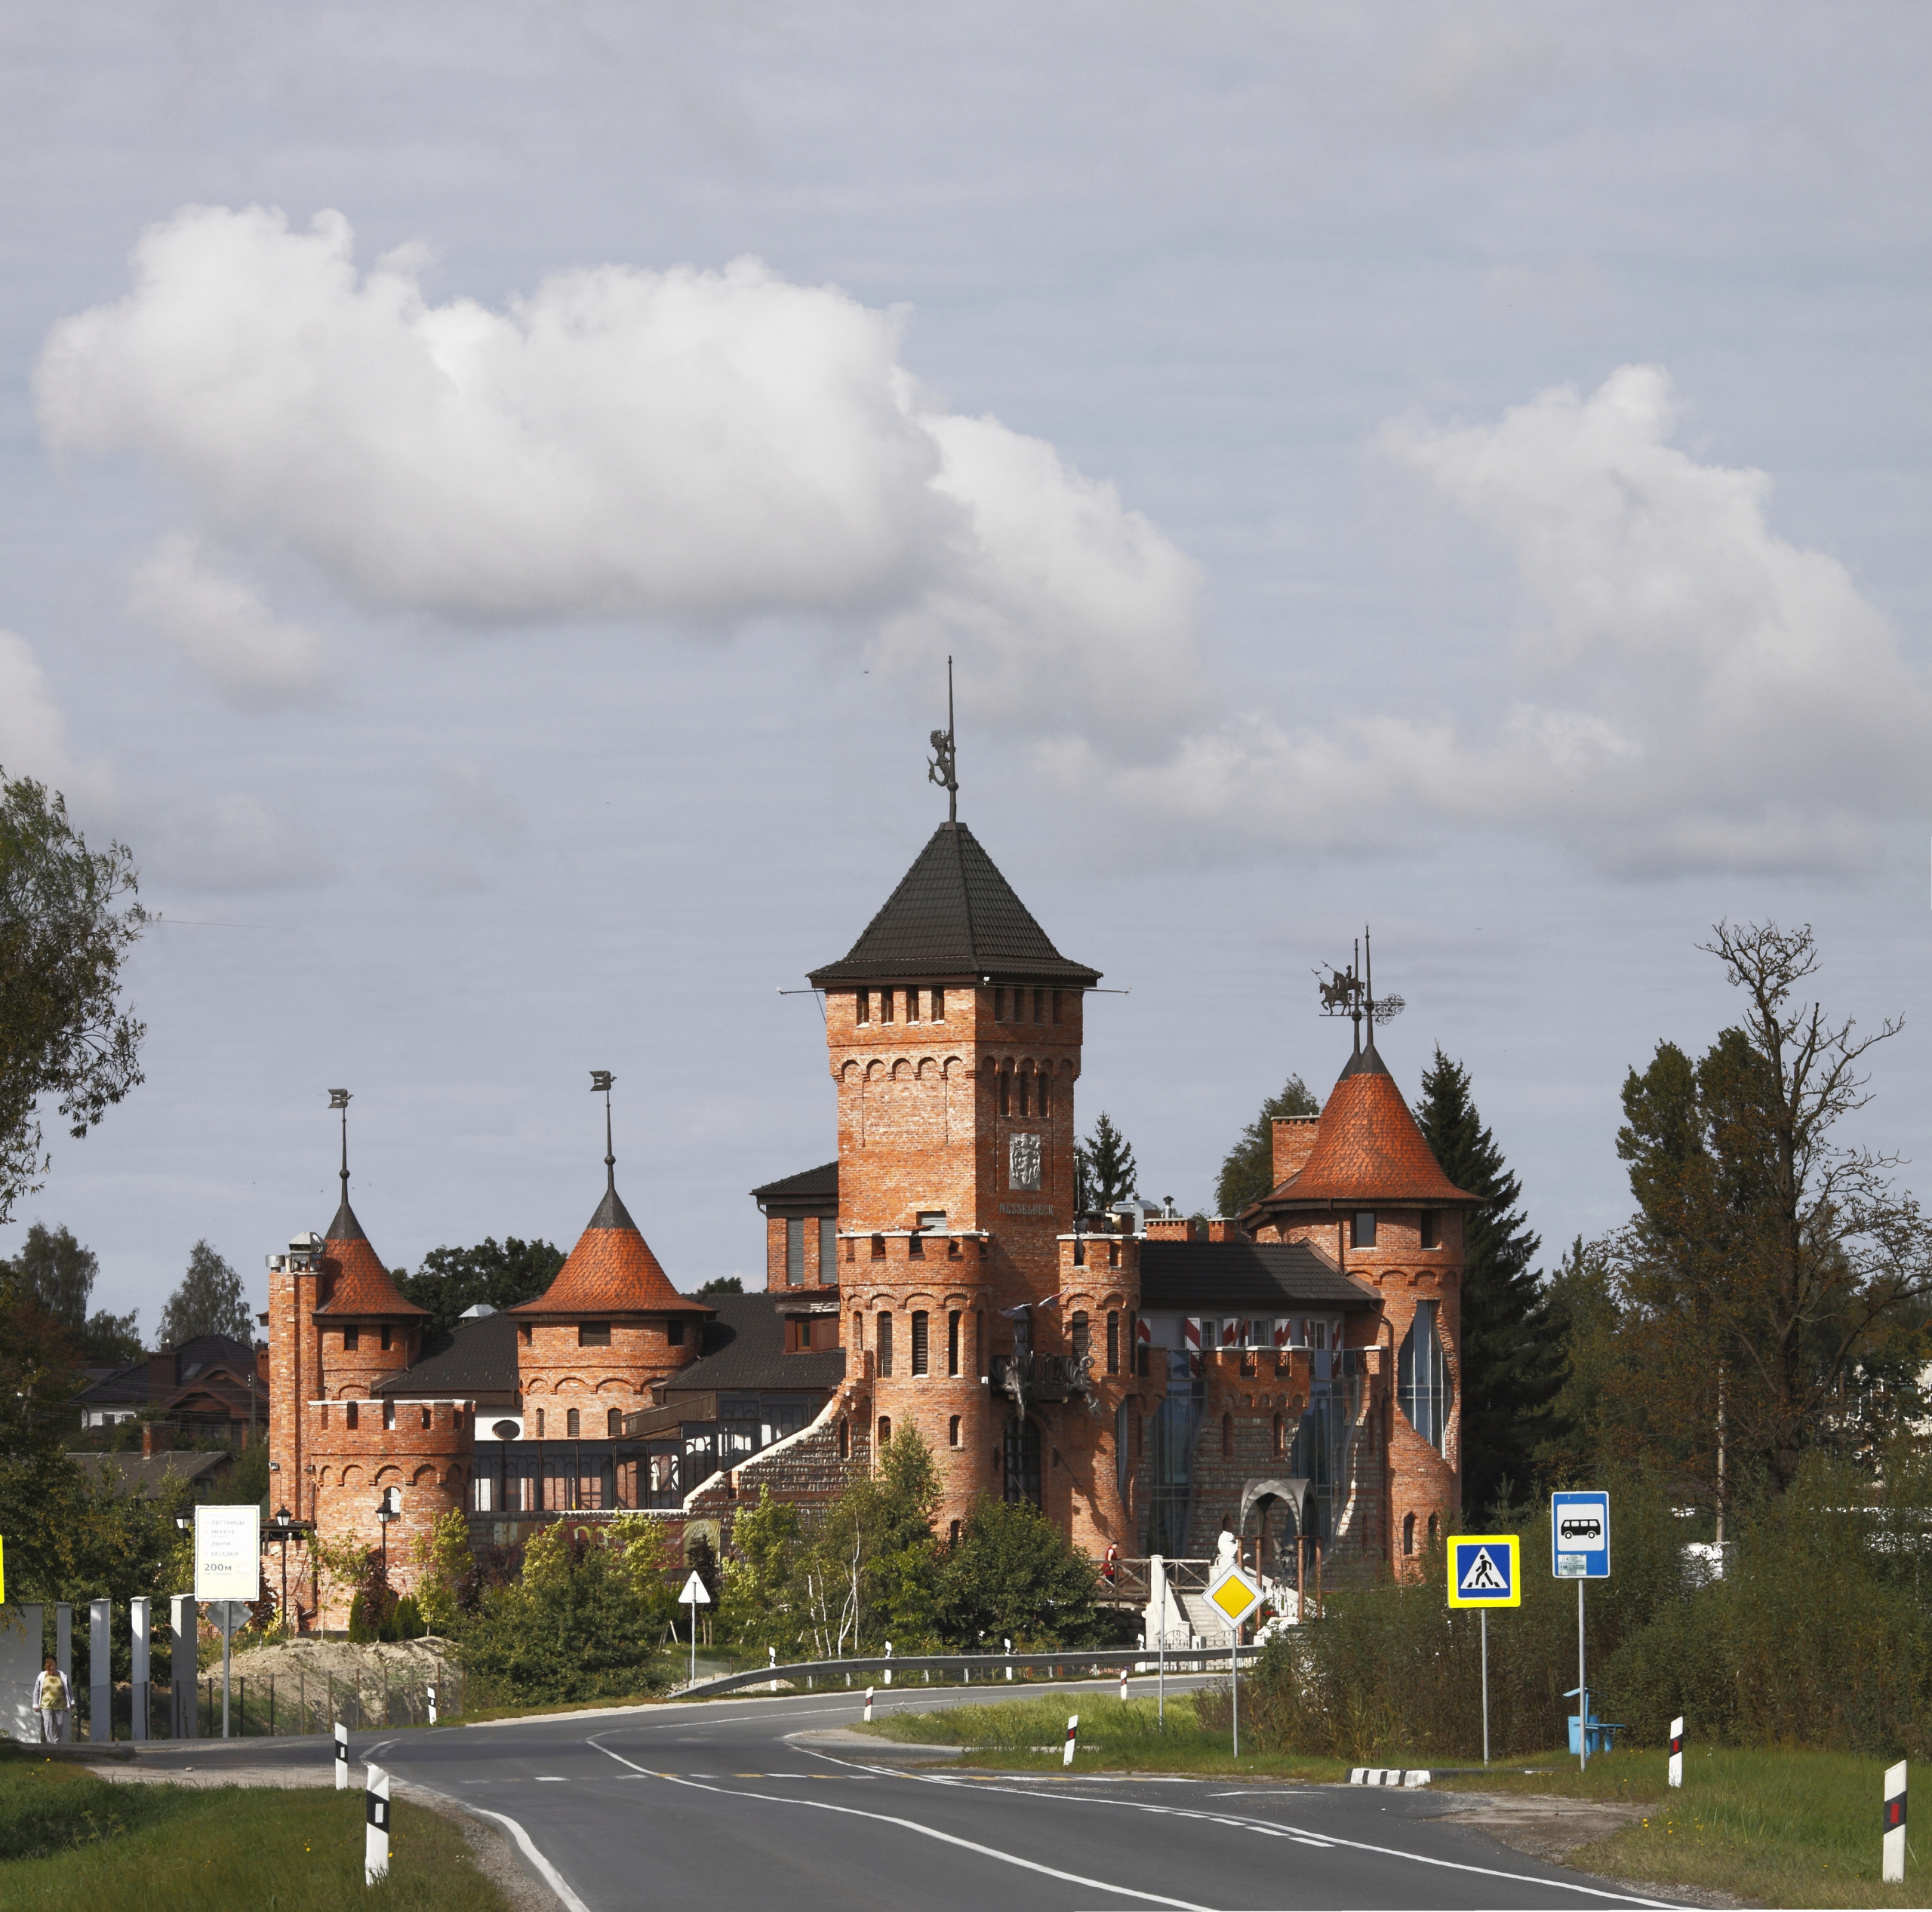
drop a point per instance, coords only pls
(1483, 1615)
(227, 1643)
(1233, 1680)
(1583, 1690)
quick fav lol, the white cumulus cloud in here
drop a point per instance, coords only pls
(255, 658)
(33, 733)
(1690, 690)
(709, 446)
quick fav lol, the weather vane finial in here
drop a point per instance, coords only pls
(339, 1098)
(1351, 992)
(601, 1080)
(943, 769)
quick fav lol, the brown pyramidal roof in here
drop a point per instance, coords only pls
(362, 1286)
(611, 1270)
(1369, 1151)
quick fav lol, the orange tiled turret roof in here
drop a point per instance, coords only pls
(362, 1285)
(611, 1270)
(1368, 1150)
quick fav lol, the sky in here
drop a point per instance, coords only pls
(487, 493)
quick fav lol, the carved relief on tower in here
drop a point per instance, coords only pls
(1023, 1164)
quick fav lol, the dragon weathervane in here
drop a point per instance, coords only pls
(943, 769)
(1351, 992)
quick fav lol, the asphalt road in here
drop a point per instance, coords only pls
(721, 1804)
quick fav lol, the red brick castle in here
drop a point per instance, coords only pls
(1291, 1372)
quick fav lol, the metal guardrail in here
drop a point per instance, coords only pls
(990, 1668)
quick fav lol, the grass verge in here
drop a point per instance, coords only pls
(1778, 1828)
(1115, 1735)
(69, 1839)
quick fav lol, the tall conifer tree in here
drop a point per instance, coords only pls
(1511, 1365)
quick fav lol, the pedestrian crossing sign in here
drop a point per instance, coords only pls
(1482, 1570)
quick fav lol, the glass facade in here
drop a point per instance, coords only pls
(1423, 1386)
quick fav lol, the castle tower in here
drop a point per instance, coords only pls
(953, 1031)
(338, 1326)
(1359, 1184)
(590, 1346)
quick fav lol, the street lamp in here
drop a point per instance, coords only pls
(284, 1528)
(386, 1514)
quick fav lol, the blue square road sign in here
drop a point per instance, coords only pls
(1579, 1535)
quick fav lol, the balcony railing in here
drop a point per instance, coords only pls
(1043, 1377)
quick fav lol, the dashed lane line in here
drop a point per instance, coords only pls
(929, 1832)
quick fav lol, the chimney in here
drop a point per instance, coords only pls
(162, 1376)
(157, 1438)
(1294, 1142)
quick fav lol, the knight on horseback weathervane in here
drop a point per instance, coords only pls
(1351, 992)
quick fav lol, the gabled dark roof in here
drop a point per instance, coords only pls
(137, 1475)
(474, 1357)
(1263, 1275)
(195, 1359)
(954, 915)
(808, 1183)
(744, 1348)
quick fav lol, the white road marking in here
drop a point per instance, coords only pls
(552, 1876)
(930, 1832)
(551, 1779)
(1299, 1833)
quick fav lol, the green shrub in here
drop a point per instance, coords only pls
(406, 1623)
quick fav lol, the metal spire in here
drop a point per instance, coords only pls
(943, 769)
(339, 1098)
(601, 1079)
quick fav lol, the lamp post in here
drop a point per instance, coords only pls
(386, 1514)
(285, 1528)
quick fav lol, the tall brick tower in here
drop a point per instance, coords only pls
(953, 1027)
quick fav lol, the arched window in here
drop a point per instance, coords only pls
(1005, 1089)
(1408, 1533)
(1113, 1341)
(884, 1429)
(952, 1433)
(540, 1424)
(570, 1424)
(614, 1424)
(1227, 1436)
(1423, 1386)
(885, 1344)
(1432, 1532)
(952, 1539)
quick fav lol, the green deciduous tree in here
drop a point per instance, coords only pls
(452, 1280)
(61, 1272)
(210, 1300)
(723, 1284)
(1248, 1172)
(1014, 1575)
(1511, 1362)
(1771, 1270)
(1104, 1169)
(68, 919)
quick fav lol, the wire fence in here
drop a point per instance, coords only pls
(276, 1705)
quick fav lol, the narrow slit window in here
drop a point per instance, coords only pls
(614, 1424)
(572, 1426)
(794, 1250)
(1046, 1082)
(911, 1005)
(352, 1339)
(952, 1345)
(828, 1249)
(386, 1337)
(884, 1429)
(1057, 995)
(953, 1440)
(1113, 1341)
(1430, 1235)
(349, 1414)
(674, 1334)
(885, 1005)
(999, 1005)
(885, 1344)
(920, 1349)
(863, 1002)
(938, 1005)
(1005, 1098)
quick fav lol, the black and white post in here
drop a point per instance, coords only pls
(341, 1757)
(376, 1834)
(429, 1695)
(1892, 1871)
(1677, 1750)
(1072, 1738)
(869, 1704)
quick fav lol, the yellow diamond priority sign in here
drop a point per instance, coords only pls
(1234, 1596)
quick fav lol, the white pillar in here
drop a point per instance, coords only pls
(376, 1837)
(138, 1624)
(1893, 1870)
(100, 1670)
(64, 1654)
(341, 1757)
(184, 1711)
(1677, 1751)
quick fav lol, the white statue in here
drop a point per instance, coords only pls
(1227, 1551)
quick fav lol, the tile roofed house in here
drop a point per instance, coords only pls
(211, 1383)
(954, 917)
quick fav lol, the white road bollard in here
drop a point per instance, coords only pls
(341, 1757)
(429, 1692)
(868, 1702)
(376, 1833)
(1009, 1654)
(1123, 1683)
(889, 1654)
(773, 1651)
(1677, 1751)
(1892, 1871)
(1073, 1734)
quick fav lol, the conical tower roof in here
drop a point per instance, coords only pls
(611, 1270)
(954, 915)
(362, 1287)
(1369, 1151)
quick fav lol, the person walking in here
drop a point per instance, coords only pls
(50, 1700)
